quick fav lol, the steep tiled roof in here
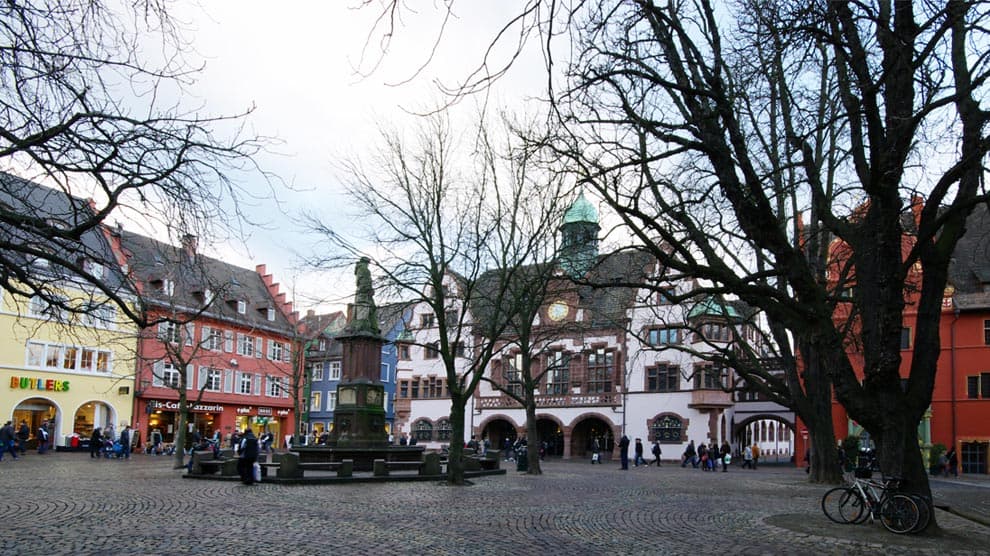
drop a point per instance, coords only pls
(969, 271)
(196, 276)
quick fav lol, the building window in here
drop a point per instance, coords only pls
(277, 351)
(276, 386)
(434, 388)
(601, 367)
(384, 377)
(317, 370)
(58, 357)
(665, 296)
(443, 430)
(315, 401)
(414, 388)
(905, 338)
(212, 379)
(663, 336)
(241, 307)
(423, 431)
(431, 351)
(214, 338)
(451, 315)
(244, 384)
(245, 345)
(558, 373)
(663, 378)
(271, 314)
(403, 388)
(460, 350)
(331, 401)
(513, 374)
(978, 386)
(404, 352)
(667, 429)
(716, 332)
(168, 331)
(323, 345)
(101, 316)
(170, 376)
(335, 370)
(708, 377)
(427, 320)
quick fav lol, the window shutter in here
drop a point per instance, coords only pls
(156, 374)
(190, 333)
(202, 377)
(258, 346)
(205, 333)
(162, 330)
(228, 381)
(228, 341)
(270, 354)
(190, 377)
(285, 387)
(240, 343)
(257, 385)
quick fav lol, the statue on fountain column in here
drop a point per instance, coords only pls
(365, 317)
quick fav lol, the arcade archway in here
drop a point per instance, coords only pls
(552, 435)
(584, 433)
(498, 431)
(773, 435)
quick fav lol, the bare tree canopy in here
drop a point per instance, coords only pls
(81, 112)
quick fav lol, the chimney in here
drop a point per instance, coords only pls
(189, 244)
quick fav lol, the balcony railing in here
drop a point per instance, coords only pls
(559, 400)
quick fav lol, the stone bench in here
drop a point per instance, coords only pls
(289, 466)
(203, 463)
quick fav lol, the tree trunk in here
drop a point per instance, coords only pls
(455, 460)
(533, 440)
(815, 405)
(900, 457)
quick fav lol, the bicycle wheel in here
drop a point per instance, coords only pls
(899, 513)
(843, 505)
(924, 513)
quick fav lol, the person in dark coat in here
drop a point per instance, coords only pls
(95, 443)
(639, 453)
(624, 451)
(249, 455)
(23, 434)
(125, 442)
(7, 435)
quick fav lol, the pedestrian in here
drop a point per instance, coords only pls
(756, 455)
(125, 442)
(404, 440)
(726, 456)
(248, 457)
(703, 456)
(953, 463)
(656, 452)
(7, 436)
(43, 437)
(624, 451)
(156, 442)
(690, 456)
(265, 440)
(639, 453)
(596, 451)
(23, 434)
(747, 458)
(95, 443)
(235, 442)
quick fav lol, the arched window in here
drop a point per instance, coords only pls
(443, 430)
(773, 430)
(667, 429)
(423, 430)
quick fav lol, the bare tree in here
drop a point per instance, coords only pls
(82, 111)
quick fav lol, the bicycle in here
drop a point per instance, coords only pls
(865, 498)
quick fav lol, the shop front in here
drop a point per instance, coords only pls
(261, 419)
(163, 417)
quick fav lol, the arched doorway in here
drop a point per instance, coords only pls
(36, 410)
(90, 415)
(551, 434)
(497, 431)
(773, 435)
(584, 433)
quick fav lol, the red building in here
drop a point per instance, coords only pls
(230, 328)
(960, 409)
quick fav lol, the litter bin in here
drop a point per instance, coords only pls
(522, 459)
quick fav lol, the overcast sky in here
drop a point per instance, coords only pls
(296, 64)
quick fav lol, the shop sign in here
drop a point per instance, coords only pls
(26, 383)
(283, 412)
(265, 411)
(244, 410)
(174, 406)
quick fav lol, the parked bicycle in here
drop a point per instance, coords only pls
(865, 498)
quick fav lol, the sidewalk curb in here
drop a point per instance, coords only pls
(965, 515)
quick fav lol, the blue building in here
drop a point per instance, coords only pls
(323, 364)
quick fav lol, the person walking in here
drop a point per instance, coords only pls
(7, 436)
(747, 458)
(23, 434)
(726, 456)
(248, 457)
(690, 456)
(125, 442)
(95, 443)
(624, 452)
(639, 453)
(756, 455)
(43, 437)
(656, 452)
(953, 463)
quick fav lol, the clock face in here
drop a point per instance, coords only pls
(557, 310)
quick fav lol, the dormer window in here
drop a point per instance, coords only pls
(241, 306)
(271, 313)
(168, 286)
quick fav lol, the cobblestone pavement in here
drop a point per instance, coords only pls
(66, 503)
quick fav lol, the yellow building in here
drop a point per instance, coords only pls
(75, 371)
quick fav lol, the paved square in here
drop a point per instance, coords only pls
(66, 503)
